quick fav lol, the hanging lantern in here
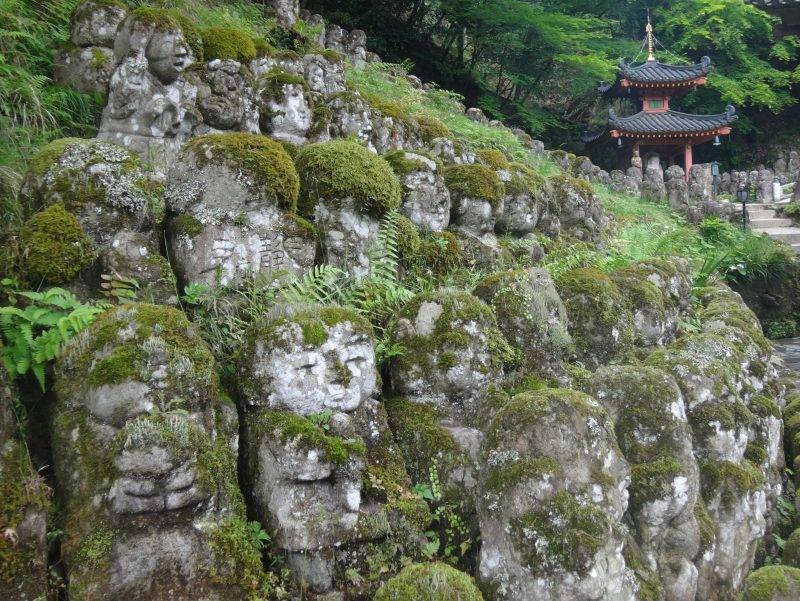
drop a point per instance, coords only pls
(717, 141)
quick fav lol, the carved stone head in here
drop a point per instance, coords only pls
(168, 55)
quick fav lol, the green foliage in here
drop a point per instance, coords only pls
(36, 326)
(475, 181)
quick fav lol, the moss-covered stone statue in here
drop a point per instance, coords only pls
(525, 200)
(146, 465)
(346, 189)
(552, 493)
(151, 103)
(313, 439)
(426, 199)
(232, 199)
(477, 194)
(532, 317)
(653, 433)
(99, 213)
(600, 319)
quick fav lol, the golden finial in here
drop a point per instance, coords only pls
(649, 29)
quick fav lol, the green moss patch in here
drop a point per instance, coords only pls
(431, 128)
(292, 427)
(333, 171)
(492, 158)
(562, 535)
(504, 477)
(49, 155)
(430, 581)
(265, 159)
(54, 246)
(225, 43)
(475, 181)
(653, 480)
(772, 582)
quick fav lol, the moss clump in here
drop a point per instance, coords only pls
(430, 581)
(292, 427)
(730, 480)
(763, 406)
(333, 171)
(562, 535)
(791, 550)
(50, 154)
(772, 582)
(263, 47)
(225, 43)
(54, 246)
(421, 440)
(441, 252)
(524, 180)
(503, 478)
(650, 588)
(237, 559)
(431, 128)
(409, 242)
(277, 77)
(262, 157)
(186, 225)
(403, 162)
(492, 158)
(708, 530)
(388, 108)
(475, 181)
(653, 480)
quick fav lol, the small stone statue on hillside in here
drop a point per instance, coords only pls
(151, 105)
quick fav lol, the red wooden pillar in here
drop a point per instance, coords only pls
(687, 159)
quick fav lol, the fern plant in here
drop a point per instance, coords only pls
(36, 325)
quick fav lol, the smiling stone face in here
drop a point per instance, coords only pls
(168, 55)
(314, 360)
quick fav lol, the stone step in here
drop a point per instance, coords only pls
(790, 235)
(796, 247)
(761, 214)
(769, 223)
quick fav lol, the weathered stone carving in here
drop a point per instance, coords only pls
(232, 199)
(225, 99)
(426, 199)
(151, 105)
(147, 464)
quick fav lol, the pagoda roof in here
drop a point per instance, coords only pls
(670, 122)
(655, 72)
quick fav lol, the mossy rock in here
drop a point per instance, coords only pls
(475, 181)
(226, 43)
(791, 550)
(333, 171)
(492, 158)
(405, 162)
(409, 242)
(431, 581)
(524, 180)
(601, 323)
(54, 247)
(264, 159)
(431, 128)
(772, 583)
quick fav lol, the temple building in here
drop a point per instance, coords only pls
(656, 128)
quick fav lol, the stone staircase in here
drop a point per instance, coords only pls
(764, 219)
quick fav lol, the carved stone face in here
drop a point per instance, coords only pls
(167, 55)
(474, 215)
(155, 476)
(338, 374)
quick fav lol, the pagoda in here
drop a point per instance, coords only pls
(656, 128)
